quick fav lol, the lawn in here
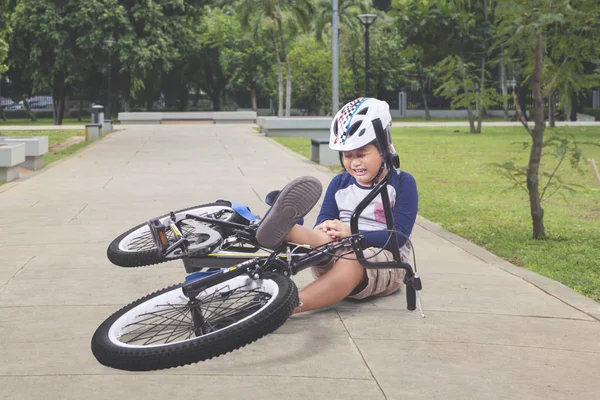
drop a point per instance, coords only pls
(446, 119)
(43, 121)
(460, 190)
(54, 137)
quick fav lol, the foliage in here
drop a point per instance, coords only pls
(311, 64)
(552, 40)
(461, 83)
(349, 24)
(4, 31)
(569, 30)
(561, 146)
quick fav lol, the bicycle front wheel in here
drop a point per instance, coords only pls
(136, 247)
(166, 329)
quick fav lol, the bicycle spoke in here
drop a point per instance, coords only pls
(172, 321)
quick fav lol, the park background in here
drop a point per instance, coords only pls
(434, 60)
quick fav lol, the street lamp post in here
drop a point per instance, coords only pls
(109, 43)
(367, 20)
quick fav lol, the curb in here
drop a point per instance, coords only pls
(547, 285)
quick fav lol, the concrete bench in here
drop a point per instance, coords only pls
(140, 118)
(35, 148)
(234, 117)
(107, 127)
(216, 117)
(11, 155)
(308, 127)
(322, 154)
(93, 132)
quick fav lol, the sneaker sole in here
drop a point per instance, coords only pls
(296, 200)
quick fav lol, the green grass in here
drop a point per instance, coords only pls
(461, 191)
(43, 121)
(54, 137)
(442, 119)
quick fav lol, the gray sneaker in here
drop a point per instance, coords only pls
(295, 200)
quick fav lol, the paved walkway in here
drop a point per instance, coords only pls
(493, 331)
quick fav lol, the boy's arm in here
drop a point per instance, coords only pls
(404, 212)
(329, 208)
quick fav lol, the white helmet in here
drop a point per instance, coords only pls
(352, 126)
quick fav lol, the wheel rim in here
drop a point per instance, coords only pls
(169, 318)
(141, 239)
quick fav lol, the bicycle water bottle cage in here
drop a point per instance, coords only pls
(244, 211)
(159, 234)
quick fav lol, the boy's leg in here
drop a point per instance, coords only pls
(335, 285)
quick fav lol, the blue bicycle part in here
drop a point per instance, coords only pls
(200, 275)
(244, 211)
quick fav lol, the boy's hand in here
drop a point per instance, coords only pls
(335, 228)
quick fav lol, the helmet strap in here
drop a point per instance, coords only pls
(376, 179)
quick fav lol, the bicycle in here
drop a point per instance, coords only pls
(220, 310)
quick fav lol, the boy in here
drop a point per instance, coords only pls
(353, 135)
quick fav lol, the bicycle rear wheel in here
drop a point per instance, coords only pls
(166, 329)
(136, 247)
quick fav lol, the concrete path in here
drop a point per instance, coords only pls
(492, 331)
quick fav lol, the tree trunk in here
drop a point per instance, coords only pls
(288, 76)
(469, 109)
(423, 95)
(28, 108)
(279, 77)
(214, 97)
(551, 109)
(253, 99)
(481, 90)
(62, 107)
(503, 84)
(2, 115)
(480, 107)
(537, 212)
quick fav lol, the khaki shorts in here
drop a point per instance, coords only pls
(380, 282)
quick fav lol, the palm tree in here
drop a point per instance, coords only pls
(279, 12)
(348, 11)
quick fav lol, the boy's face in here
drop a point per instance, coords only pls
(363, 163)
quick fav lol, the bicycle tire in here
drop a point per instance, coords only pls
(151, 255)
(110, 350)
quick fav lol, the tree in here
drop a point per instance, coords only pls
(247, 64)
(527, 27)
(453, 39)
(280, 12)
(431, 31)
(4, 31)
(312, 75)
(44, 48)
(348, 11)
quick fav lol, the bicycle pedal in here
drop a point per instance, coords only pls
(159, 233)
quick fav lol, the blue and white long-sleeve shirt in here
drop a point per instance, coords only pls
(344, 194)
